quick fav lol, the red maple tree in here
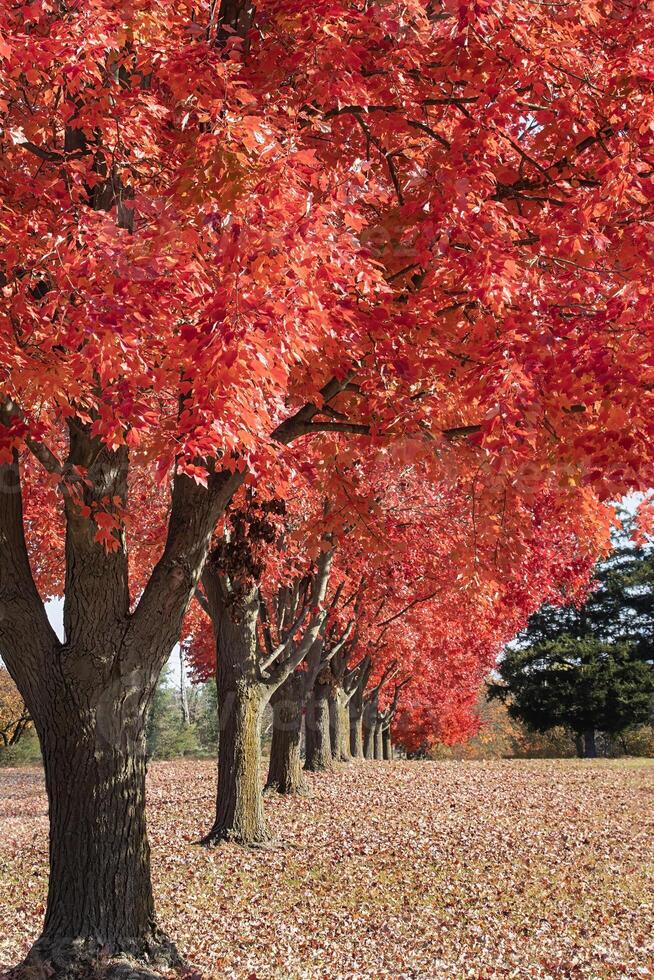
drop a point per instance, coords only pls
(421, 224)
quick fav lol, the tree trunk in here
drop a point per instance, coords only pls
(241, 701)
(379, 750)
(339, 726)
(239, 803)
(579, 745)
(333, 727)
(88, 697)
(318, 743)
(590, 748)
(368, 742)
(100, 900)
(356, 734)
(285, 768)
(370, 722)
(387, 750)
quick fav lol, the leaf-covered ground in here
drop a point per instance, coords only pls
(400, 870)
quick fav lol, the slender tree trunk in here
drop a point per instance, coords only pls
(344, 716)
(19, 730)
(590, 748)
(579, 745)
(387, 750)
(99, 897)
(356, 733)
(318, 743)
(285, 768)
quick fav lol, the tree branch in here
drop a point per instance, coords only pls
(10, 409)
(157, 620)
(27, 639)
(313, 631)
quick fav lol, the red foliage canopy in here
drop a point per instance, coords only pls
(426, 224)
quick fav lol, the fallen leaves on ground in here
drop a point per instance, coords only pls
(402, 870)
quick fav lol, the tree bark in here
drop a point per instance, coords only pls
(339, 726)
(378, 749)
(88, 698)
(368, 741)
(387, 750)
(285, 768)
(241, 700)
(590, 748)
(318, 742)
(356, 733)
(100, 899)
(369, 724)
(247, 678)
(239, 803)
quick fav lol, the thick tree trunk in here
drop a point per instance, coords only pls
(239, 803)
(88, 697)
(379, 750)
(241, 701)
(333, 727)
(285, 768)
(339, 726)
(579, 745)
(387, 744)
(370, 722)
(100, 900)
(356, 733)
(318, 743)
(590, 748)
(368, 740)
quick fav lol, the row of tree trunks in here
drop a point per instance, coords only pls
(339, 741)
(259, 661)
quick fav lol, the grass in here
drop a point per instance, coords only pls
(525, 869)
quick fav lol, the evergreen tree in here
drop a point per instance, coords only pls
(167, 735)
(203, 709)
(588, 668)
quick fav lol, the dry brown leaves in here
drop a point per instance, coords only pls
(421, 870)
